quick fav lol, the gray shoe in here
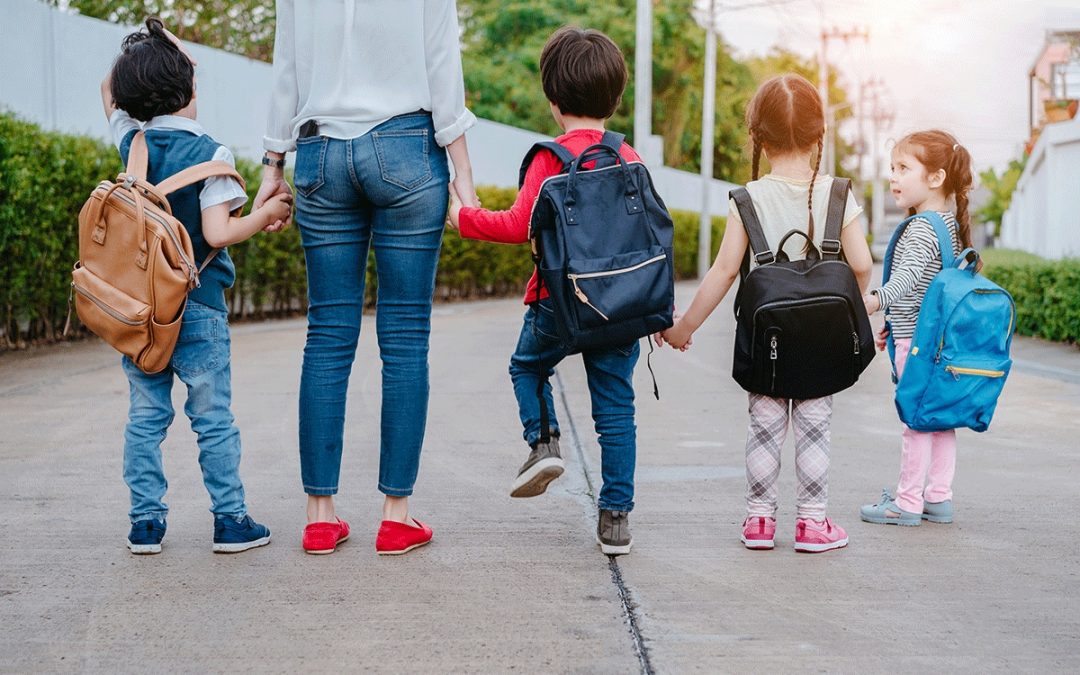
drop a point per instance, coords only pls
(613, 532)
(940, 512)
(880, 513)
(544, 465)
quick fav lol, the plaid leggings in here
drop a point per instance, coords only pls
(764, 440)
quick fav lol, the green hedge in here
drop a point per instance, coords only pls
(1046, 292)
(45, 177)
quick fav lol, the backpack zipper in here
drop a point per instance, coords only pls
(193, 274)
(594, 275)
(957, 371)
(855, 339)
(772, 357)
(103, 307)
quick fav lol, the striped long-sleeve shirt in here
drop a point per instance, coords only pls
(916, 261)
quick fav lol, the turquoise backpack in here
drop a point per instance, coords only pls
(959, 355)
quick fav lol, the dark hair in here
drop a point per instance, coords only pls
(583, 72)
(785, 116)
(151, 76)
(940, 151)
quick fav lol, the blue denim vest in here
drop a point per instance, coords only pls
(170, 152)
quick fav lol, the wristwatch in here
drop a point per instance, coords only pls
(276, 163)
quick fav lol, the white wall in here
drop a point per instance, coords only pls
(1044, 216)
(53, 64)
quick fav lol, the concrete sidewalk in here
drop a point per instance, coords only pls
(520, 585)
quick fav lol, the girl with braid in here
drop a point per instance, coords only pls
(787, 126)
(929, 169)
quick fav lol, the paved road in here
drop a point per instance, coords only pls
(520, 586)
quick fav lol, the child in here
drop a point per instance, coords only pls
(153, 82)
(786, 121)
(583, 76)
(928, 167)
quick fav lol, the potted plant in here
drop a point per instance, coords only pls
(1060, 109)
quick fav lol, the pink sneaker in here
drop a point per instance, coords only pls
(813, 536)
(758, 533)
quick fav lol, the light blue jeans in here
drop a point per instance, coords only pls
(386, 190)
(201, 361)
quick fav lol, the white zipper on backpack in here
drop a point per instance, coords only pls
(594, 275)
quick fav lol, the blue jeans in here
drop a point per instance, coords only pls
(610, 374)
(201, 361)
(387, 190)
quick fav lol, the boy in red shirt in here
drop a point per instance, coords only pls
(583, 75)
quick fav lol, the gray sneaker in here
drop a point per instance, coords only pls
(938, 512)
(543, 466)
(613, 532)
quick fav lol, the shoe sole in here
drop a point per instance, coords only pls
(327, 551)
(944, 520)
(144, 549)
(820, 548)
(890, 521)
(758, 544)
(611, 549)
(241, 546)
(404, 550)
(536, 479)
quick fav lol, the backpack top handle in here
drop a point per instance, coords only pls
(632, 198)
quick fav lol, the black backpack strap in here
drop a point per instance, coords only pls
(759, 245)
(559, 151)
(830, 245)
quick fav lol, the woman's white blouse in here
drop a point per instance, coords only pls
(350, 65)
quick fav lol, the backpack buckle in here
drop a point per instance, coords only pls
(129, 181)
(830, 246)
(765, 258)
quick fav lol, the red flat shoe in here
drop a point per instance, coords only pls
(396, 538)
(323, 538)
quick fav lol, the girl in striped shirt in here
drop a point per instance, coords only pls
(929, 169)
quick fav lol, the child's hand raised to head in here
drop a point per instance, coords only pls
(455, 209)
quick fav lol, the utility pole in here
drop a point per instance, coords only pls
(829, 158)
(882, 119)
(643, 83)
(708, 121)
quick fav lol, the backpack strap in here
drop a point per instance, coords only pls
(613, 140)
(759, 245)
(194, 174)
(556, 149)
(138, 157)
(834, 222)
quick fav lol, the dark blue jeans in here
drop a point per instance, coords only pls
(386, 190)
(201, 362)
(610, 374)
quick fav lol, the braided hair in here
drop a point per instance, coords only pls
(784, 116)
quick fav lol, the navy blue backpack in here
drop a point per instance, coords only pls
(602, 242)
(959, 355)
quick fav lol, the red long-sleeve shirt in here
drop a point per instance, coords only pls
(512, 226)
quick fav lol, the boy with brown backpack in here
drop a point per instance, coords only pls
(152, 277)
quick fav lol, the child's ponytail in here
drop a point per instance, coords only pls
(958, 181)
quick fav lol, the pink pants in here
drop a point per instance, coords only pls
(927, 460)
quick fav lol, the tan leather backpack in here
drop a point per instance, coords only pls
(136, 263)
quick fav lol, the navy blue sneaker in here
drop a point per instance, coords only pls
(233, 535)
(145, 536)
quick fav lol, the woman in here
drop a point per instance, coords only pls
(368, 94)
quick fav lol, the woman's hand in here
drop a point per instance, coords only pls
(273, 184)
(454, 210)
(679, 336)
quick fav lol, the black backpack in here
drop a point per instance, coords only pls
(802, 327)
(602, 243)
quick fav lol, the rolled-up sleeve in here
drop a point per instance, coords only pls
(445, 81)
(283, 99)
